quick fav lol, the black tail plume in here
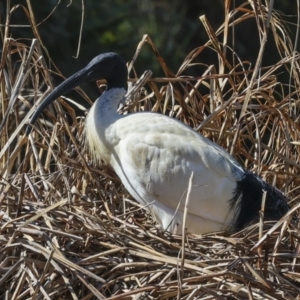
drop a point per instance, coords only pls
(248, 200)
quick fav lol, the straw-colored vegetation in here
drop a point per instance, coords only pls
(69, 230)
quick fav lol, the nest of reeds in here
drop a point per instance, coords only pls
(69, 229)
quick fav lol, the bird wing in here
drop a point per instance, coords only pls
(159, 154)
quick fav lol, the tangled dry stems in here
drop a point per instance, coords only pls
(69, 230)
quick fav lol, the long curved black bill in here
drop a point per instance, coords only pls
(70, 83)
(109, 66)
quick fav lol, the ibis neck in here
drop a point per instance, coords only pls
(107, 103)
(99, 130)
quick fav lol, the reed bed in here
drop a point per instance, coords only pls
(69, 229)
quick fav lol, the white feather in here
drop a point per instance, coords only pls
(154, 156)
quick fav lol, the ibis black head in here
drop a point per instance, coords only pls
(109, 66)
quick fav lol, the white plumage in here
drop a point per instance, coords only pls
(155, 156)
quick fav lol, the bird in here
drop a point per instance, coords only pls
(156, 157)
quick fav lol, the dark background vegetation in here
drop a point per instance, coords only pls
(118, 25)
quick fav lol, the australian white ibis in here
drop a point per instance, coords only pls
(155, 155)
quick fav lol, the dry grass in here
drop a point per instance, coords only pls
(69, 230)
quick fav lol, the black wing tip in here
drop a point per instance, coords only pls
(248, 196)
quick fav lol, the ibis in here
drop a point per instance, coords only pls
(156, 157)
